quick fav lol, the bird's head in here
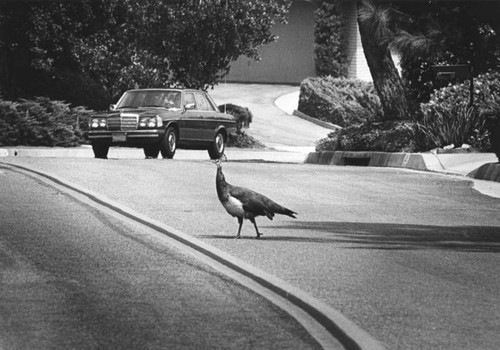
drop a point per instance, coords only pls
(218, 163)
(220, 175)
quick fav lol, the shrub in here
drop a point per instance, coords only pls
(447, 118)
(243, 119)
(339, 101)
(330, 41)
(242, 114)
(389, 136)
(242, 140)
(41, 122)
(453, 126)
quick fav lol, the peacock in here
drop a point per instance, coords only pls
(243, 203)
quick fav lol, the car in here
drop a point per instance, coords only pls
(161, 121)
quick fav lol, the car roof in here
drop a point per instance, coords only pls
(167, 89)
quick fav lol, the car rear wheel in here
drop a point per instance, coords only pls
(168, 144)
(100, 150)
(218, 146)
(151, 152)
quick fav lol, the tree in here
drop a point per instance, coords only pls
(36, 42)
(373, 22)
(205, 36)
(122, 44)
(433, 33)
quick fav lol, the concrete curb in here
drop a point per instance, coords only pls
(337, 325)
(415, 161)
(376, 159)
(324, 124)
(489, 171)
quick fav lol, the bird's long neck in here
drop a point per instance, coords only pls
(221, 185)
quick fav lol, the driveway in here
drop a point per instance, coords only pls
(271, 125)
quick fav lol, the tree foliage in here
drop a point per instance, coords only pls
(121, 44)
(330, 44)
(438, 33)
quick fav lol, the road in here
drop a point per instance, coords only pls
(73, 277)
(411, 257)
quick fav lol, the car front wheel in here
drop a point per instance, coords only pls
(100, 150)
(218, 146)
(168, 144)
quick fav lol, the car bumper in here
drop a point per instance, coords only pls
(131, 137)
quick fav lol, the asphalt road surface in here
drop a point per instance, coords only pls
(74, 278)
(411, 257)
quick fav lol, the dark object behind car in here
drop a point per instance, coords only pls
(160, 121)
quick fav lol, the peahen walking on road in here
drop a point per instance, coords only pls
(243, 203)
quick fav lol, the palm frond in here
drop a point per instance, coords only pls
(414, 44)
(377, 17)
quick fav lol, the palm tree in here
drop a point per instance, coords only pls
(373, 22)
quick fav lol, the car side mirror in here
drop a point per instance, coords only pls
(112, 107)
(189, 106)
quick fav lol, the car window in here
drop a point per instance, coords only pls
(172, 100)
(189, 100)
(149, 99)
(153, 99)
(131, 99)
(203, 103)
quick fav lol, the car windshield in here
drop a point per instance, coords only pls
(151, 98)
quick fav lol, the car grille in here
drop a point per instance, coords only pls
(123, 122)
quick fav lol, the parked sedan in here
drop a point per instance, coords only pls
(160, 121)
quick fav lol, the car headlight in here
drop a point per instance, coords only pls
(150, 122)
(96, 123)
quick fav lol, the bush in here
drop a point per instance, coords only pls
(453, 126)
(242, 114)
(330, 41)
(242, 140)
(448, 119)
(41, 122)
(243, 119)
(389, 136)
(339, 101)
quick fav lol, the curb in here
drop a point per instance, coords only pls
(488, 171)
(322, 123)
(415, 161)
(376, 159)
(347, 333)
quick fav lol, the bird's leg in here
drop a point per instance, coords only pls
(256, 229)
(240, 220)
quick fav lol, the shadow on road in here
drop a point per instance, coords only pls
(402, 236)
(388, 236)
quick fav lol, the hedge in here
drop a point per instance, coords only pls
(339, 101)
(42, 122)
